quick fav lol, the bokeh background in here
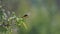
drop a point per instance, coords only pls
(43, 15)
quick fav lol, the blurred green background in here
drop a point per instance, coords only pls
(43, 15)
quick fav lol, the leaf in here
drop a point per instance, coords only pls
(25, 25)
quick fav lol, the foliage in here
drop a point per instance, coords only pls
(44, 17)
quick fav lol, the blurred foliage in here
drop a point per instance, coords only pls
(2, 29)
(43, 16)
